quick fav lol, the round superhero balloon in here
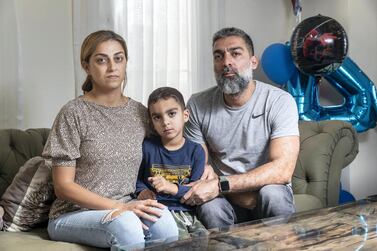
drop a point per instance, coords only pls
(319, 45)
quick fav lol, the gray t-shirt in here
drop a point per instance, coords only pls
(238, 138)
(104, 144)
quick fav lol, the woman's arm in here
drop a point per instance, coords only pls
(67, 189)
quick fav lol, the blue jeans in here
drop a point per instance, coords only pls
(89, 228)
(273, 200)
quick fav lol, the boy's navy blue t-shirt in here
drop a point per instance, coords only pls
(180, 166)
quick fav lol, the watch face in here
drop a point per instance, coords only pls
(224, 184)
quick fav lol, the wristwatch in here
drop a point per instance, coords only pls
(223, 184)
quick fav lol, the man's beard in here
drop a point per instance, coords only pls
(236, 84)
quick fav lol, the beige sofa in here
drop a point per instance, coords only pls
(326, 148)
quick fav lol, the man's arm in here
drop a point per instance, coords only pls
(278, 170)
(208, 173)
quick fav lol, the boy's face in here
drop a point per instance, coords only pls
(168, 119)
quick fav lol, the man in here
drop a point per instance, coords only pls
(249, 131)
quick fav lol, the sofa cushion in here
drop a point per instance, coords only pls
(27, 200)
(1, 217)
(306, 202)
(18, 146)
(37, 240)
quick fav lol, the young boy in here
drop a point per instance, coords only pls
(170, 161)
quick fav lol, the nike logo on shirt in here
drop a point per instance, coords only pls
(254, 116)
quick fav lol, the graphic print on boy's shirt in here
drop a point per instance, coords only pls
(172, 173)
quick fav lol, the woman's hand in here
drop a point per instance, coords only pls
(145, 209)
(146, 194)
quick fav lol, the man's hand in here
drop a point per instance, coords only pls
(208, 173)
(146, 194)
(202, 191)
(163, 186)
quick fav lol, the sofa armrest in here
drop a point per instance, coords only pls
(326, 147)
(17, 146)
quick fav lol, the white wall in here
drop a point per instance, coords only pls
(363, 50)
(268, 21)
(47, 79)
(272, 21)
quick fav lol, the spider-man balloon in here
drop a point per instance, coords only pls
(319, 45)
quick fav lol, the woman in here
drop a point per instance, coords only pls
(95, 146)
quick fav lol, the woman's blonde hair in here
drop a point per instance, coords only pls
(89, 46)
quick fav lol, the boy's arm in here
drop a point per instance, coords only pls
(140, 184)
(142, 190)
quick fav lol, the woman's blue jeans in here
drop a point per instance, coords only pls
(90, 227)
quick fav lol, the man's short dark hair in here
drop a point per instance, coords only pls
(166, 93)
(232, 31)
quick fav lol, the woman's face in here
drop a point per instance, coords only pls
(107, 66)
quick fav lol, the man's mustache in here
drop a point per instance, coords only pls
(228, 69)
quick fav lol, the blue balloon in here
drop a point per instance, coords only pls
(277, 63)
(344, 196)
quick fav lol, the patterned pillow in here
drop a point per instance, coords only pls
(28, 199)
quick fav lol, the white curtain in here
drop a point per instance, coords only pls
(10, 68)
(169, 41)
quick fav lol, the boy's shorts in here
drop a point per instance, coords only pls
(188, 224)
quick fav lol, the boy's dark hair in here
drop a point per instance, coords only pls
(227, 32)
(166, 93)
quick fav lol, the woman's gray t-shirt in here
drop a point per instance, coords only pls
(104, 144)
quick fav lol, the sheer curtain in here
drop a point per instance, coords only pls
(10, 68)
(169, 41)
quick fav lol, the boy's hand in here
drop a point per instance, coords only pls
(146, 194)
(163, 186)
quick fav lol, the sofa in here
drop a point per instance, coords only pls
(326, 148)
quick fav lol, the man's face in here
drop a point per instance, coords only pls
(233, 64)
